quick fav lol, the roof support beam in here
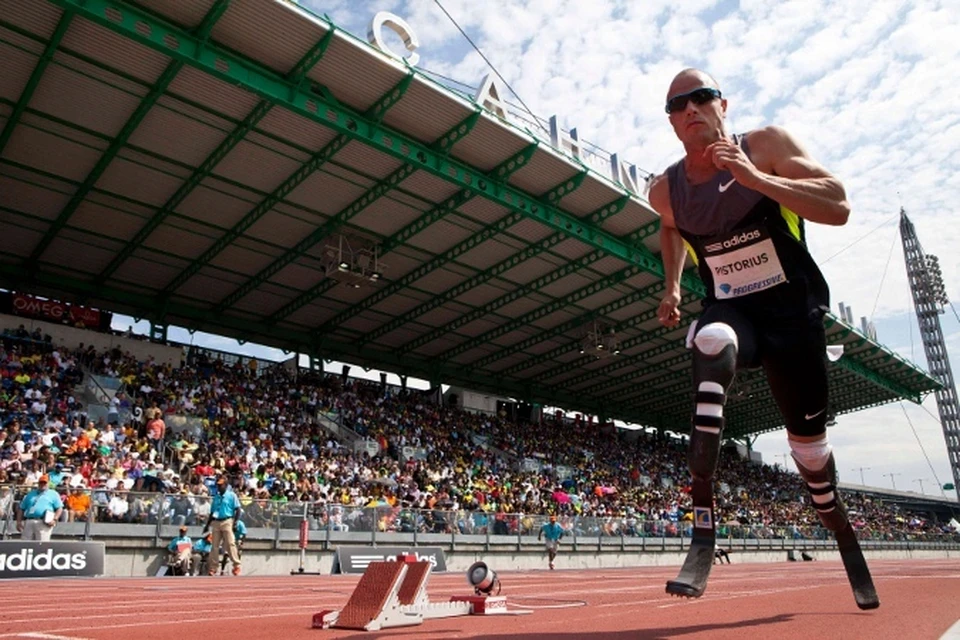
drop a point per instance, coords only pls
(294, 180)
(484, 276)
(157, 90)
(560, 303)
(297, 74)
(602, 214)
(330, 226)
(642, 338)
(667, 376)
(617, 362)
(921, 376)
(637, 340)
(878, 379)
(440, 211)
(254, 77)
(25, 96)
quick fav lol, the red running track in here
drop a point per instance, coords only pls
(788, 601)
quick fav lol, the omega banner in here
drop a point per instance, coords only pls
(50, 559)
(53, 311)
(356, 559)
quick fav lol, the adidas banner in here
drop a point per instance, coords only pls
(50, 559)
(356, 559)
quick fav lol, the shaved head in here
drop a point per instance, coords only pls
(691, 78)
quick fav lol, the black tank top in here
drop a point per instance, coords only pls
(749, 250)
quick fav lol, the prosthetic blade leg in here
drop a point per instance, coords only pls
(833, 516)
(715, 358)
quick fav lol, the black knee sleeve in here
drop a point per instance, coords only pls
(833, 515)
(719, 369)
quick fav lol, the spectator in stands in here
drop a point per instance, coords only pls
(254, 430)
(78, 504)
(41, 508)
(156, 428)
(181, 508)
(118, 507)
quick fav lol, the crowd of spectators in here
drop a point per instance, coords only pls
(258, 426)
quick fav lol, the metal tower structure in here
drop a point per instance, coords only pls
(930, 298)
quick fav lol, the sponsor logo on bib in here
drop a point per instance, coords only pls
(743, 263)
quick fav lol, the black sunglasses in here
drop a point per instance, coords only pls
(703, 95)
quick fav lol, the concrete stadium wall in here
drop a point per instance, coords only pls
(124, 561)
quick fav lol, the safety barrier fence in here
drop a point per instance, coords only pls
(157, 515)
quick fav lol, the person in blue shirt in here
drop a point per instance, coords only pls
(224, 511)
(41, 508)
(180, 542)
(552, 532)
(201, 553)
(180, 553)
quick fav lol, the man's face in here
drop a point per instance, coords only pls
(696, 124)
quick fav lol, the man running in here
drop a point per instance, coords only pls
(738, 204)
(552, 532)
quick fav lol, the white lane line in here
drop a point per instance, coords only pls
(45, 608)
(194, 609)
(953, 633)
(163, 622)
(47, 636)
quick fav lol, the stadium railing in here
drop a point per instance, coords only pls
(277, 523)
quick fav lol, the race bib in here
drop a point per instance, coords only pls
(743, 262)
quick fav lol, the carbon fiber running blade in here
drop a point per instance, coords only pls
(692, 581)
(857, 572)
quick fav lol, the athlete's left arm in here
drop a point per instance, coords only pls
(782, 170)
(796, 180)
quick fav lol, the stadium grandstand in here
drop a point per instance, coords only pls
(250, 171)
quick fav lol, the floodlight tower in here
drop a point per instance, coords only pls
(930, 298)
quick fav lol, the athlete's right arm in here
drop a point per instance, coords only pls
(672, 251)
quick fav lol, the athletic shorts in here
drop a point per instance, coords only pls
(791, 351)
(552, 545)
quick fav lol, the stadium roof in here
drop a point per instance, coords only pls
(199, 163)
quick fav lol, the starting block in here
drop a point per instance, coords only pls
(394, 594)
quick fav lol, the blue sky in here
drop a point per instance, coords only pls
(868, 87)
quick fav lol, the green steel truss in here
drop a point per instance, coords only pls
(444, 143)
(34, 80)
(500, 268)
(286, 187)
(650, 385)
(156, 91)
(325, 110)
(258, 113)
(473, 241)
